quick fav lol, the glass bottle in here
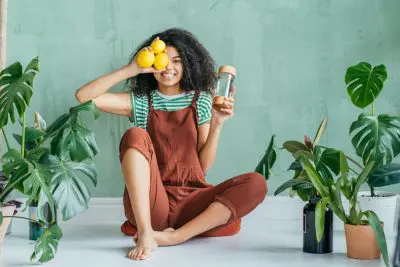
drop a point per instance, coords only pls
(226, 76)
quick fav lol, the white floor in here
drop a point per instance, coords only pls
(263, 241)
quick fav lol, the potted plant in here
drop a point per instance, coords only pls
(365, 238)
(375, 137)
(327, 164)
(53, 163)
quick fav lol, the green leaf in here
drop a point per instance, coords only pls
(364, 83)
(385, 175)
(331, 159)
(36, 153)
(16, 90)
(36, 187)
(69, 190)
(1, 218)
(305, 194)
(59, 124)
(46, 246)
(87, 106)
(295, 166)
(320, 211)
(289, 184)
(31, 134)
(379, 234)
(75, 141)
(294, 146)
(321, 131)
(314, 176)
(361, 179)
(376, 138)
(265, 165)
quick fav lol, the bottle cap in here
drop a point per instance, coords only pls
(227, 69)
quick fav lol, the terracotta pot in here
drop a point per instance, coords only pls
(361, 242)
(7, 211)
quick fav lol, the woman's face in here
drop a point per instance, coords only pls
(173, 72)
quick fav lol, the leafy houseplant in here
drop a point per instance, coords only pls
(359, 246)
(53, 163)
(326, 161)
(375, 137)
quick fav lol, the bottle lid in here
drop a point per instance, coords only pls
(227, 69)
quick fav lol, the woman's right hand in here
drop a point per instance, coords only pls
(135, 69)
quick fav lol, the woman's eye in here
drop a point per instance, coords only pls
(177, 61)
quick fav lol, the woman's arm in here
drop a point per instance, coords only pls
(116, 103)
(209, 134)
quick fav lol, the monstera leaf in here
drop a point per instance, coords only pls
(364, 83)
(385, 175)
(46, 246)
(265, 165)
(16, 90)
(73, 140)
(376, 138)
(69, 190)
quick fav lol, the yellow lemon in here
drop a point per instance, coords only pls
(158, 46)
(145, 58)
(161, 61)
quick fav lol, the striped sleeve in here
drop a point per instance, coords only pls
(204, 106)
(139, 111)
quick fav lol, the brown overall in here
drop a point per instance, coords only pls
(178, 190)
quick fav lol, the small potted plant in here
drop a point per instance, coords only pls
(327, 164)
(365, 238)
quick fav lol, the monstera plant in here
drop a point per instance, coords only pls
(375, 137)
(53, 164)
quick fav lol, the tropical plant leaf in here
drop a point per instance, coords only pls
(36, 187)
(364, 83)
(73, 140)
(36, 153)
(385, 175)
(330, 158)
(1, 218)
(379, 234)
(294, 146)
(267, 162)
(69, 190)
(87, 106)
(376, 138)
(361, 179)
(314, 176)
(320, 131)
(16, 90)
(320, 211)
(46, 246)
(295, 166)
(289, 184)
(305, 194)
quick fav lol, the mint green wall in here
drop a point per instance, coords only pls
(291, 57)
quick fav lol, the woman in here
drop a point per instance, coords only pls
(172, 145)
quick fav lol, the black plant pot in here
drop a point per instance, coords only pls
(310, 243)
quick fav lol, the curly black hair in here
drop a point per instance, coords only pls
(198, 65)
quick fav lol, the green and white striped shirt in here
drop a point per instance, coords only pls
(140, 106)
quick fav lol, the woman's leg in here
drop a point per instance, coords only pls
(217, 206)
(146, 202)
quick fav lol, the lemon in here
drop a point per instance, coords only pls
(158, 46)
(161, 61)
(145, 58)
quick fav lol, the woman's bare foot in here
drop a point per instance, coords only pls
(145, 243)
(168, 237)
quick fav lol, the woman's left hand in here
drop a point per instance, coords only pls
(219, 116)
